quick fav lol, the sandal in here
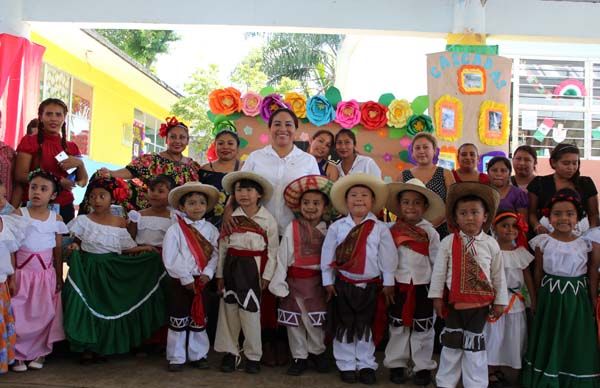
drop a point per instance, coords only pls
(37, 363)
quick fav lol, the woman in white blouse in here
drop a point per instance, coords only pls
(350, 161)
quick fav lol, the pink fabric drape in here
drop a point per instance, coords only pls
(20, 64)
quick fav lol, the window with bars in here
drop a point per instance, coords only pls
(152, 140)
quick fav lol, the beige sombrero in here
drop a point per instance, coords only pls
(211, 192)
(487, 193)
(341, 187)
(230, 179)
(435, 209)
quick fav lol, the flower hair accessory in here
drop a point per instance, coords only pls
(171, 122)
(46, 175)
(521, 224)
(117, 187)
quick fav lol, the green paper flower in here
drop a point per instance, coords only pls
(419, 123)
(368, 148)
(223, 125)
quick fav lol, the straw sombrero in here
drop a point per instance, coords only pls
(294, 191)
(211, 192)
(341, 187)
(230, 179)
(489, 195)
(435, 209)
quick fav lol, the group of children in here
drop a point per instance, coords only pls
(350, 281)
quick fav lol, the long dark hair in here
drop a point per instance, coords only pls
(63, 129)
(563, 149)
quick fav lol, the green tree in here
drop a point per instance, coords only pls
(248, 74)
(141, 45)
(308, 58)
(193, 108)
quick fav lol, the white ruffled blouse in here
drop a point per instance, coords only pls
(12, 234)
(563, 258)
(150, 229)
(98, 238)
(41, 235)
(515, 262)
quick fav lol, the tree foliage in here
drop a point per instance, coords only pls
(141, 45)
(249, 75)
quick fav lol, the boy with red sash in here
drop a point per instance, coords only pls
(358, 255)
(247, 260)
(297, 278)
(411, 315)
(190, 255)
(469, 264)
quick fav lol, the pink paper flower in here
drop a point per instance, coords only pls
(347, 114)
(251, 103)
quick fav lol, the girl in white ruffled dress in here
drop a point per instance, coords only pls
(506, 337)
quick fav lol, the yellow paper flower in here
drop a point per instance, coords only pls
(398, 113)
(493, 123)
(297, 102)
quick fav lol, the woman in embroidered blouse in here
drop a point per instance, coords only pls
(40, 150)
(169, 162)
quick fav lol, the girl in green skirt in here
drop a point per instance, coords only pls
(562, 350)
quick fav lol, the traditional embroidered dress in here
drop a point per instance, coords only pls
(562, 350)
(151, 230)
(12, 234)
(36, 304)
(411, 316)
(246, 256)
(506, 338)
(362, 256)
(190, 250)
(297, 280)
(471, 268)
(112, 301)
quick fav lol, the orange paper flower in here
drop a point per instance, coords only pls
(225, 101)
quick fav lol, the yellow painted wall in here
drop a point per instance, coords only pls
(112, 105)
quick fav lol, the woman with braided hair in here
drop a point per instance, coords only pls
(40, 151)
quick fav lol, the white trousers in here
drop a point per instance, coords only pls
(305, 338)
(197, 346)
(404, 343)
(472, 365)
(232, 319)
(358, 354)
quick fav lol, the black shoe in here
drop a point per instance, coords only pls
(252, 367)
(175, 367)
(228, 363)
(200, 364)
(422, 377)
(397, 375)
(367, 376)
(348, 376)
(298, 367)
(321, 362)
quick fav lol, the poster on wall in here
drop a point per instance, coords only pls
(469, 99)
(137, 146)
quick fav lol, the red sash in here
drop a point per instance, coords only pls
(411, 236)
(470, 287)
(351, 254)
(244, 224)
(201, 249)
(302, 273)
(410, 304)
(308, 242)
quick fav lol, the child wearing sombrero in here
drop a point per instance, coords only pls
(411, 314)
(190, 255)
(247, 260)
(358, 255)
(297, 278)
(470, 265)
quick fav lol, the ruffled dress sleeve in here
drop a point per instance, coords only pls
(519, 258)
(134, 216)
(97, 238)
(13, 231)
(539, 241)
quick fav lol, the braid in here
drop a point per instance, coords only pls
(63, 139)
(40, 134)
(40, 139)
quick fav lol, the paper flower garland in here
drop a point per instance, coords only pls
(224, 101)
(398, 113)
(297, 103)
(373, 115)
(493, 123)
(270, 104)
(419, 123)
(347, 114)
(251, 103)
(448, 114)
(319, 111)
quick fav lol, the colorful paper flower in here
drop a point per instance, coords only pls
(225, 101)
(297, 103)
(419, 123)
(270, 104)
(224, 125)
(373, 115)
(319, 111)
(251, 103)
(398, 113)
(368, 148)
(347, 114)
(387, 157)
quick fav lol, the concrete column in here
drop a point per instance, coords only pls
(11, 18)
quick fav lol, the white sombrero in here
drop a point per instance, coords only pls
(230, 179)
(435, 209)
(341, 187)
(211, 192)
